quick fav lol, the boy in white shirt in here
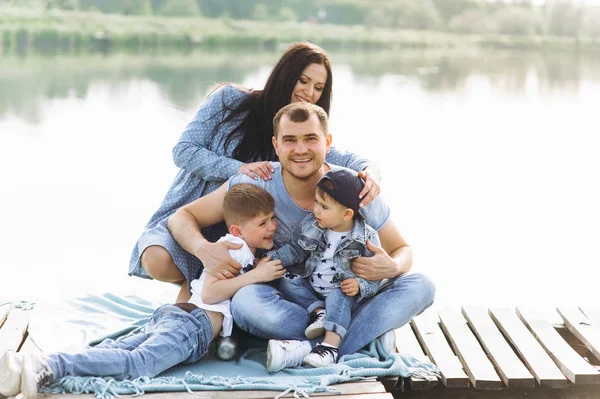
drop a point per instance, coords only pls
(179, 333)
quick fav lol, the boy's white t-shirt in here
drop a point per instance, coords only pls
(321, 278)
(245, 257)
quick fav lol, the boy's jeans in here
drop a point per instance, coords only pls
(262, 310)
(170, 337)
(338, 305)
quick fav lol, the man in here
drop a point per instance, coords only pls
(301, 140)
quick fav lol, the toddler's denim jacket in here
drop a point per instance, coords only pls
(302, 255)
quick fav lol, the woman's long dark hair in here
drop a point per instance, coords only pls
(256, 129)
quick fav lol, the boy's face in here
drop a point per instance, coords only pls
(328, 212)
(258, 232)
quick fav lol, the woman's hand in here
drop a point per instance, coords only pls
(371, 190)
(377, 267)
(217, 261)
(257, 169)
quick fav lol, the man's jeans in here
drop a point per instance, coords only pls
(338, 305)
(170, 337)
(262, 310)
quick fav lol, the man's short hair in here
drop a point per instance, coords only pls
(244, 202)
(300, 112)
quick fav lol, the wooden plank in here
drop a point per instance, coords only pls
(30, 347)
(351, 388)
(530, 351)
(436, 347)
(392, 384)
(474, 360)
(592, 313)
(512, 371)
(406, 342)
(4, 311)
(386, 395)
(573, 366)
(582, 328)
(13, 330)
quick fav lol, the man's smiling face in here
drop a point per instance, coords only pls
(301, 146)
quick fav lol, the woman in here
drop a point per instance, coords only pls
(231, 133)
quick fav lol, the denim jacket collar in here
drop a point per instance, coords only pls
(359, 232)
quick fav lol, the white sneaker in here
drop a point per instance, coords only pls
(10, 373)
(282, 354)
(321, 356)
(35, 374)
(317, 327)
(388, 341)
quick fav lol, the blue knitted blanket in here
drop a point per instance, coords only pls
(71, 324)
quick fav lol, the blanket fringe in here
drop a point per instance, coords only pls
(109, 388)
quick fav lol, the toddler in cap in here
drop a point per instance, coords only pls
(324, 245)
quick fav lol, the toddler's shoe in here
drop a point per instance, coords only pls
(317, 326)
(10, 373)
(282, 354)
(321, 356)
(35, 374)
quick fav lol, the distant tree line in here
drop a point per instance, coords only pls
(517, 17)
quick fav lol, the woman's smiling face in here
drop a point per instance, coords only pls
(310, 85)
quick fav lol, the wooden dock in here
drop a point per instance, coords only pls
(478, 350)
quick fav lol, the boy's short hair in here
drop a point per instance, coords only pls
(244, 202)
(343, 186)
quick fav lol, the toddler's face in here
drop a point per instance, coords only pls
(328, 212)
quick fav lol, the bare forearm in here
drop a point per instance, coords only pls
(398, 254)
(403, 259)
(185, 230)
(221, 290)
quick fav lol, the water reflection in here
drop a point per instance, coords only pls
(488, 160)
(182, 79)
(440, 71)
(185, 78)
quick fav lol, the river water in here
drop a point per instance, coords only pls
(489, 161)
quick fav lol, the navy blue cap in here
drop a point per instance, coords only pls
(344, 188)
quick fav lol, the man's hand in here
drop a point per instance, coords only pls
(350, 286)
(268, 270)
(377, 267)
(217, 261)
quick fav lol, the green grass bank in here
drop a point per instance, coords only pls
(23, 31)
